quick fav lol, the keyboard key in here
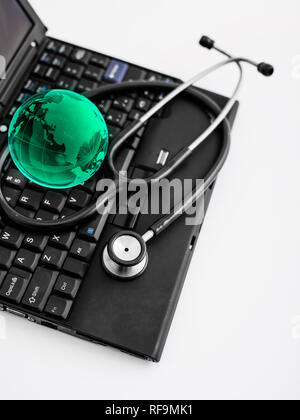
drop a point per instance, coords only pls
(104, 105)
(52, 74)
(14, 288)
(116, 72)
(54, 201)
(67, 212)
(58, 307)
(112, 131)
(43, 87)
(94, 73)
(100, 61)
(81, 56)
(40, 70)
(76, 267)
(133, 95)
(63, 240)
(35, 242)
(39, 289)
(47, 58)
(74, 70)
(11, 237)
(143, 105)
(44, 215)
(66, 83)
(11, 195)
(65, 50)
(83, 250)
(25, 212)
(116, 118)
(93, 229)
(23, 98)
(154, 77)
(27, 260)
(12, 111)
(58, 62)
(53, 46)
(135, 115)
(78, 199)
(6, 257)
(86, 86)
(134, 74)
(15, 178)
(53, 257)
(159, 98)
(149, 95)
(67, 286)
(3, 274)
(123, 104)
(31, 86)
(31, 199)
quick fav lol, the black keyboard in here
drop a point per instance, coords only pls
(43, 273)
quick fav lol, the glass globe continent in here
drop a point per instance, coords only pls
(58, 139)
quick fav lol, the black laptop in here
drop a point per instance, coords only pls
(47, 271)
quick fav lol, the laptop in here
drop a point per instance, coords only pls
(58, 280)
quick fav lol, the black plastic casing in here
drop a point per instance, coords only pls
(135, 316)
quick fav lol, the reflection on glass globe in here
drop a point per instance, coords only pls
(58, 139)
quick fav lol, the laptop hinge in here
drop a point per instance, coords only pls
(16, 77)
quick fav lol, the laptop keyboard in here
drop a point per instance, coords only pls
(43, 273)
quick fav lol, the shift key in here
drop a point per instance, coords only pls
(40, 289)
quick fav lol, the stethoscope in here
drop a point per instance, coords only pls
(126, 256)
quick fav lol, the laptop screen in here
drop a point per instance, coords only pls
(14, 26)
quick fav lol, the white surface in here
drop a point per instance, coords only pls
(236, 333)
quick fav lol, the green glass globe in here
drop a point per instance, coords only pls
(58, 139)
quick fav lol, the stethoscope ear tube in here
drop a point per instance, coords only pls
(82, 215)
(176, 89)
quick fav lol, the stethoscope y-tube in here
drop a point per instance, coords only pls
(114, 258)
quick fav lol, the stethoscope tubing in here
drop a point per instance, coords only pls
(168, 169)
(80, 216)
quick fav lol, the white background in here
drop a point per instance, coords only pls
(236, 333)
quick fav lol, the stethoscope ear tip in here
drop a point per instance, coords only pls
(125, 257)
(266, 69)
(207, 42)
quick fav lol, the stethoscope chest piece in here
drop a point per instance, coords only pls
(125, 257)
